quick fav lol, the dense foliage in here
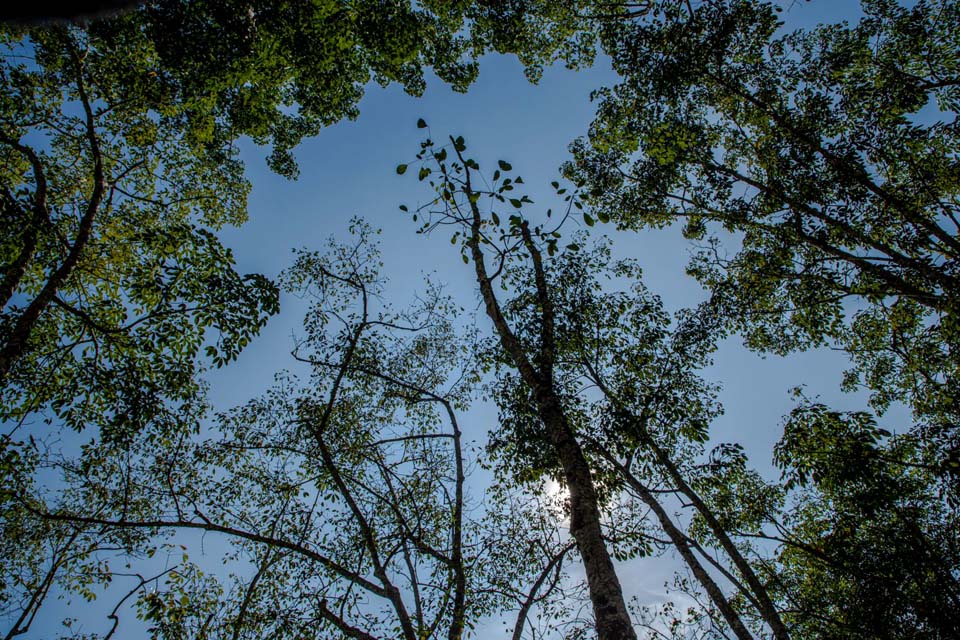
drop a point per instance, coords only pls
(113, 277)
(817, 169)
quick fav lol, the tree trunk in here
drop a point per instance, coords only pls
(606, 595)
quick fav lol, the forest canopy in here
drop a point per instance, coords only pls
(815, 177)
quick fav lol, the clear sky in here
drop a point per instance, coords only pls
(349, 169)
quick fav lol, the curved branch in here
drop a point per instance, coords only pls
(554, 566)
(13, 273)
(280, 543)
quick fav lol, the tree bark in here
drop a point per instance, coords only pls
(765, 604)
(606, 595)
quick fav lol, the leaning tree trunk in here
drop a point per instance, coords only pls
(606, 595)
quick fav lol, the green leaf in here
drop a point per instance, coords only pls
(588, 219)
(503, 164)
(421, 124)
(401, 169)
(516, 202)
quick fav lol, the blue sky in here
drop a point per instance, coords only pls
(349, 170)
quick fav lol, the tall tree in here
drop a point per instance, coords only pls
(818, 171)
(558, 333)
(118, 164)
(534, 361)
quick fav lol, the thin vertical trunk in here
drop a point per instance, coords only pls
(765, 604)
(459, 614)
(553, 567)
(606, 595)
(758, 590)
(679, 541)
